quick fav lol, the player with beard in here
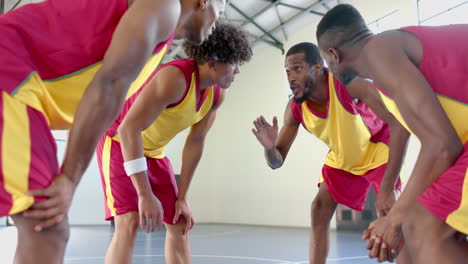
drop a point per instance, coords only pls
(422, 80)
(359, 141)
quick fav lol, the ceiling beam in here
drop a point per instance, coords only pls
(16, 4)
(265, 32)
(266, 8)
(294, 17)
(317, 13)
(291, 6)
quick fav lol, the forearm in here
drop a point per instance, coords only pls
(398, 143)
(191, 156)
(431, 163)
(141, 183)
(99, 107)
(274, 158)
(132, 148)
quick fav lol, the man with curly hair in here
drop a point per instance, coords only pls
(64, 62)
(138, 181)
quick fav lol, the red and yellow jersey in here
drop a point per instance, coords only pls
(356, 137)
(445, 71)
(193, 106)
(51, 51)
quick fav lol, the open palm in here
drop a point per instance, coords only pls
(266, 133)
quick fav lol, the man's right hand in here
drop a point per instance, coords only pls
(151, 213)
(266, 133)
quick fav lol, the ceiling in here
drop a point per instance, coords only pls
(267, 21)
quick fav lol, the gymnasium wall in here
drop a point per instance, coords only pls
(233, 183)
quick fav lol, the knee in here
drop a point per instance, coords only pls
(321, 213)
(57, 235)
(177, 231)
(420, 227)
(127, 224)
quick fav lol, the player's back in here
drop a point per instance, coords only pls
(58, 37)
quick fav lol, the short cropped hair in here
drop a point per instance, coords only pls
(341, 24)
(310, 50)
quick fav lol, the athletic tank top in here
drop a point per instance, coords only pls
(54, 48)
(356, 137)
(445, 67)
(192, 108)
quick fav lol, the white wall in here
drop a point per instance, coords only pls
(233, 183)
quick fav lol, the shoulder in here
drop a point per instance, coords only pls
(169, 81)
(293, 113)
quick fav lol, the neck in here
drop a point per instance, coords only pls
(204, 75)
(320, 94)
(355, 54)
(186, 9)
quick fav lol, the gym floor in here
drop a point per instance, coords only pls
(210, 243)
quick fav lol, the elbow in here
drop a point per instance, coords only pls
(454, 149)
(125, 132)
(449, 149)
(275, 166)
(111, 90)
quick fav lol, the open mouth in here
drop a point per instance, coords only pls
(294, 89)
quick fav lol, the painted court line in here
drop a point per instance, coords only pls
(196, 256)
(330, 259)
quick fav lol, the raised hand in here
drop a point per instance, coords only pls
(266, 133)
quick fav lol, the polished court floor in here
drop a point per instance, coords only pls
(210, 243)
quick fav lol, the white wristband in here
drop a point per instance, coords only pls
(135, 166)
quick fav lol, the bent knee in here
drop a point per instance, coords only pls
(419, 221)
(321, 212)
(127, 223)
(177, 231)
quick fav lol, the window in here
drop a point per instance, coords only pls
(391, 20)
(436, 12)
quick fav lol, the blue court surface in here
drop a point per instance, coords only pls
(210, 243)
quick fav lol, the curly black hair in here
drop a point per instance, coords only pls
(227, 44)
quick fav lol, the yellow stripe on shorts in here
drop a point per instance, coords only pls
(16, 153)
(459, 218)
(106, 151)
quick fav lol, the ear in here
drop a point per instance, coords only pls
(335, 55)
(318, 68)
(203, 4)
(211, 64)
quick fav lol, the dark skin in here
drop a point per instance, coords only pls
(418, 105)
(145, 24)
(309, 84)
(166, 88)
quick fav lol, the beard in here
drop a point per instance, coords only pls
(301, 99)
(309, 84)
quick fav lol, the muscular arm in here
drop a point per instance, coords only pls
(167, 87)
(144, 25)
(440, 146)
(364, 90)
(277, 152)
(193, 148)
